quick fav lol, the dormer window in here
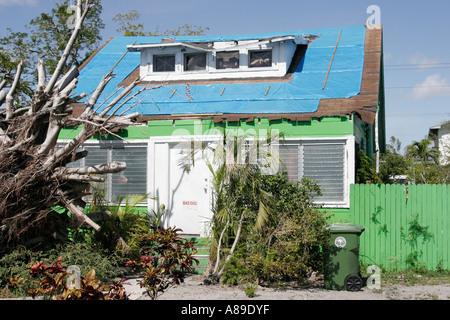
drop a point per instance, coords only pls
(194, 61)
(164, 63)
(227, 60)
(218, 60)
(260, 59)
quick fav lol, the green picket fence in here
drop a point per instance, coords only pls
(405, 225)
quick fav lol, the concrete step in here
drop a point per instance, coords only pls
(202, 255)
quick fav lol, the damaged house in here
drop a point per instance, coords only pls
(321, 89)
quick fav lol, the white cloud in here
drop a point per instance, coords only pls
(9, 3)
(420, 61)
(433, 86)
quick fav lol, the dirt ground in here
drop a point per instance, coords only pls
(194, 289)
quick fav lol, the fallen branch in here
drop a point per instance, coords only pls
(111, 167)
(34, 177)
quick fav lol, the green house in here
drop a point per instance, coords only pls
(321, 90)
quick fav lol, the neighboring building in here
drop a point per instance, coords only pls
(440, 134)
(322, 89)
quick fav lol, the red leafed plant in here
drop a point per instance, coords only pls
(166, 258)
(117, 291)
(40, 269)
(51, 282)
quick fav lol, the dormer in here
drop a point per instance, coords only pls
(212, 60)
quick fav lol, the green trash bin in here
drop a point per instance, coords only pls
(341, 264)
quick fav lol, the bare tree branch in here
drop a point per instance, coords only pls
(69, 46)
(10, 95)
(111, 167)
(34, 177)
(41, 76)
(122, 95)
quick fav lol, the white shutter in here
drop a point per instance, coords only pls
(324, 162)
(96, 155)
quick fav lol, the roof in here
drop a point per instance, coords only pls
(434, 130)
(352, 83)
(440, 125)
(205, 45)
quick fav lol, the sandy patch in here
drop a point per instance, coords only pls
(194, 289)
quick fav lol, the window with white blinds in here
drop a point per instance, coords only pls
(324, 162)
(131, 181)
(134, 179)
(321, 161)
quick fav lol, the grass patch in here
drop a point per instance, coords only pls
(413, 278)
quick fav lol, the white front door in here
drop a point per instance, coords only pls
(185, 194)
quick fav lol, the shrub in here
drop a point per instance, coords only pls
(165, 259)
(250, 290)
(121, 231)
(16, 264)
(85, 256)
(284, 243)
(54, 282)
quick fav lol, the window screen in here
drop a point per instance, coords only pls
(164, 63)
(227, 60)
(194, 61)
(74, 164)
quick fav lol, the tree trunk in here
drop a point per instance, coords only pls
(233, 247)
(34, 179)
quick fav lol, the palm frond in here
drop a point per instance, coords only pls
(264, 210)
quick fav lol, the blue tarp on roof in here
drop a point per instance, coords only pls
(300, 95)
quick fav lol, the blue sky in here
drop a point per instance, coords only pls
(416, 40)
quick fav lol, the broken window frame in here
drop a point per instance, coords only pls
(165, 63)
(197, 67)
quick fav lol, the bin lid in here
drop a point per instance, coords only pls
(345, 228)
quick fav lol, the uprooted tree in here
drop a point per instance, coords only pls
(34, 177)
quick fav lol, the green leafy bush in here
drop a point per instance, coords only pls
(250, 290)
(414, 233)
(16, 264)
(281, 233)
(120, 233)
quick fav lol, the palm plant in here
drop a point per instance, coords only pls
(156, 217)
(236, 167)
(421, 151)
(423, 162)
(263, 225)
(124, 225)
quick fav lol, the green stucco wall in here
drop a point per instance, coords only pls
(326, 127)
